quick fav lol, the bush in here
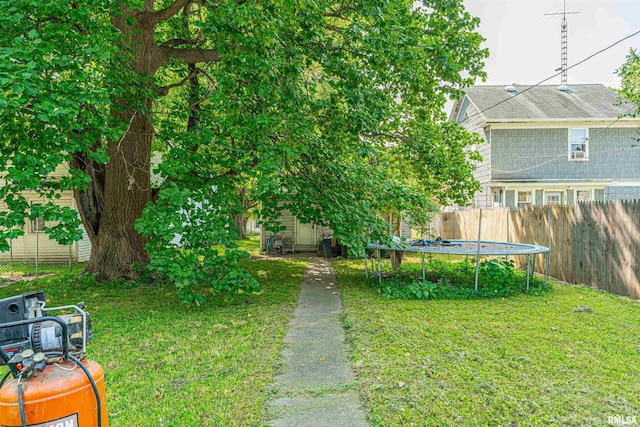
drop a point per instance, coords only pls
(456, 280)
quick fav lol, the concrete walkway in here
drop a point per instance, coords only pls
(316, 388)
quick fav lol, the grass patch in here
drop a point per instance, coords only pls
(251, 244)
(519, 361)
(20, 269)
(169, 365)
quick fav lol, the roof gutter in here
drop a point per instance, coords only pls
(563, 120)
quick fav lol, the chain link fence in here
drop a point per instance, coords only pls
(34, 255)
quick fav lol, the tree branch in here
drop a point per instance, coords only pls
(323, 46)
(149, 19)
(338, 13)
(198, 102)
(194, 55)
(334, 28)
(176, 42)
(163, 90)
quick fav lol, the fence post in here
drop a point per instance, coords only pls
(379, 262)
(548, 256)
(528, 270)
(478, 253)
(37, 251)
(11, 256)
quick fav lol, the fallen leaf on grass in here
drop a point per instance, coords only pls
(400, 384)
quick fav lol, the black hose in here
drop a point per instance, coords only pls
(23, 416)
(4, 378)
(93, 385)
(76, 361)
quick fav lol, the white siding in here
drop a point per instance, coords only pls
(26, 247)
(83, 248)
(288, 220)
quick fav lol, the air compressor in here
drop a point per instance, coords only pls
(49, 382)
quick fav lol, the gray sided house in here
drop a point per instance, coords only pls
(552, 144)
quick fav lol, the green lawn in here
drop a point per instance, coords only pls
(11, 271)
(169, 365)
(521, 361)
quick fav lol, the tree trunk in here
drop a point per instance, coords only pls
(121, 188)
(240, 224)
(240, 219)
(115, 245)
(396, 259)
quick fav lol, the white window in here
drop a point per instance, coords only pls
(462, 113)
(583, 196)
(578, 144)
(524, 198)
(553, 198)
(38, 225)
(497, 198)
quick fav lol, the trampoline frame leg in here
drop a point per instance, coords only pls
(528, 270)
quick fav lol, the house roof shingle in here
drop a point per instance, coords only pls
(586, 101)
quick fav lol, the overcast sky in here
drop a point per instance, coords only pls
(524, 44)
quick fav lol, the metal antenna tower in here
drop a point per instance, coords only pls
(563, 41)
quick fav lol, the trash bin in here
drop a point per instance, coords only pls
(344, 252)
(326, 247)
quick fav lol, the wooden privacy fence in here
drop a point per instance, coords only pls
(592, 243)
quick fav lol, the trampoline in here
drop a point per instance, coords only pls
(466, 247)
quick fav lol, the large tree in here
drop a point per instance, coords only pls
(333, 108)
(629, 74)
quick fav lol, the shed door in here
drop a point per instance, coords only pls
(305, 234)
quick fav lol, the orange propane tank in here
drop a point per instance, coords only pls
(60, 396)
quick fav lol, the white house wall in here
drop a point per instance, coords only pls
(83, 248)
(288, 220)
(24, 248)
